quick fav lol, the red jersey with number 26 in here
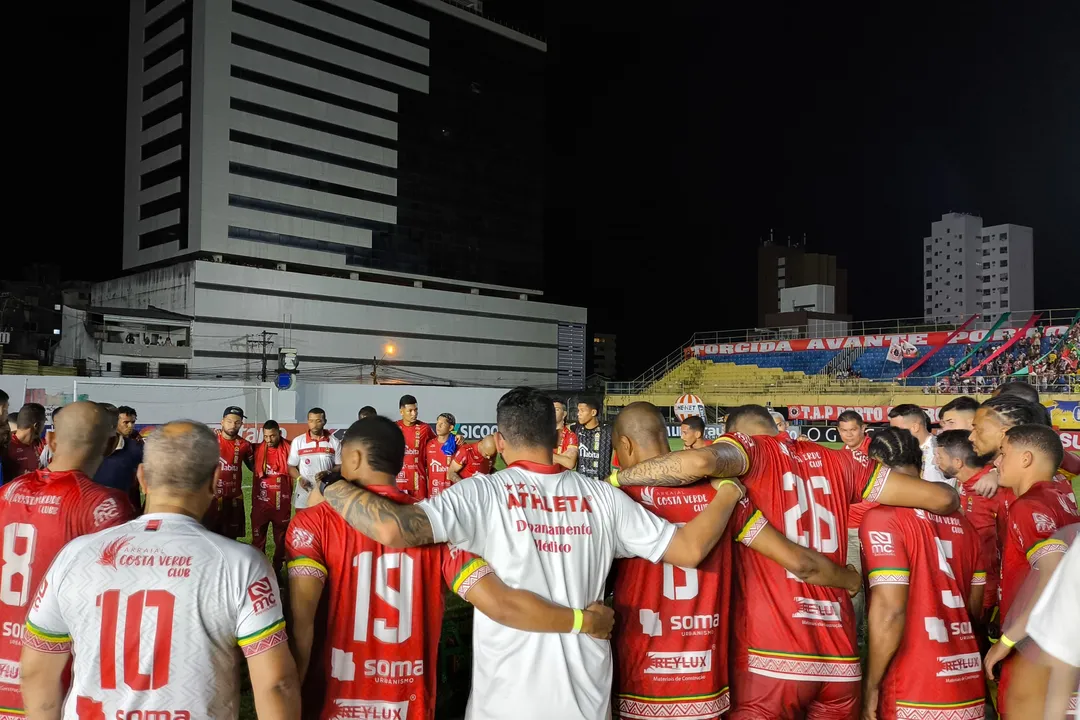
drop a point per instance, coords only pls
(671, 630)
(804, 632)
(937, 670)
(384, 614)
(39, 513)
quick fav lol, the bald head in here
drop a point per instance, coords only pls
(179, 458)
(486, 446)
(751, 420)
(640, 434)
(79, 436)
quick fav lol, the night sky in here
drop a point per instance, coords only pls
(677, 140)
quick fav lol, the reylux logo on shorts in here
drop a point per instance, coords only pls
(823, 610)
(966, 664)
(679, 663)
(370, 709)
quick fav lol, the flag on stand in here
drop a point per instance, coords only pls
(908, 349)
(896, 352)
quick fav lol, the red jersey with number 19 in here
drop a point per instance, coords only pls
(937, 670)
(671, 631)
(804, 632)
(39, 513)
(384, 613)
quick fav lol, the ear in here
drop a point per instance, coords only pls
(500, 442)
(1028, 458)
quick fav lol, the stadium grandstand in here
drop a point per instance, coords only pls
(876, 363)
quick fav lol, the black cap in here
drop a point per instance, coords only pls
(234, 410)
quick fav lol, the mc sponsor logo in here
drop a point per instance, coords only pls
(881, 543)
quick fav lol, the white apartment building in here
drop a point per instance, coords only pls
(970, 268)
(350, 175)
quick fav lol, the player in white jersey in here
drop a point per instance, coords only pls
(544, 529)
(160, 609)
(311, 455)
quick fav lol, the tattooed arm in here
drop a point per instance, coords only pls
(719, 460)
(382, 520)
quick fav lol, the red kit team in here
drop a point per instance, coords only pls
(763, 627)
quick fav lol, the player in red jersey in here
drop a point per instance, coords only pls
(472, 459)
(566, 451)
(412, 480)
(25, 446)
(226, 515)
(795, 655)
(956, 458)
(271, 492)
(437, 459)
(385, 604)
(924, 656)
(671, 635)
(1027, 463)
(39, 513)
(692, 432)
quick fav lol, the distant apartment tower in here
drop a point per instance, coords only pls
(783, 269)
(969, 268)
(603, 349)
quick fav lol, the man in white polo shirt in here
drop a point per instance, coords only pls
(544, 529)
(915, 420)
(311, 454)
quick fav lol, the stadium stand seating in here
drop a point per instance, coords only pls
(810, 362)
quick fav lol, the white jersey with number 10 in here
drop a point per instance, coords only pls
(160, 610)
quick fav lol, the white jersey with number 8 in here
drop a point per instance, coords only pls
(159, 610)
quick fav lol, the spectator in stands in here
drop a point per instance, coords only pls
(692, 431)
(912, 418)
(958, 414)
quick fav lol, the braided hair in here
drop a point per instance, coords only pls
(1014, 410)
(894, 447)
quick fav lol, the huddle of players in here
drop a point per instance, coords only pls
(793, 654)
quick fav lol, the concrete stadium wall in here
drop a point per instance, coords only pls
(158, 401)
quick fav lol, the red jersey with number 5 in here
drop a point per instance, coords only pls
(671, 631)
(39, 513)
(804, 632)
(157, 609)
(937, 670)
(384, 613)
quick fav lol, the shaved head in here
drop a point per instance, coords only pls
(486, 446)
(643, 423)
(180, 457)
(80, 435)
(751, 420)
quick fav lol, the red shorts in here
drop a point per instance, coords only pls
(757, 697)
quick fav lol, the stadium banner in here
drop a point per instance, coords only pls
(1071, 440)
(858, 341)
(870, 413)
(1065, 414)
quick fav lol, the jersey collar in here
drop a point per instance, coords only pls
(536, 467)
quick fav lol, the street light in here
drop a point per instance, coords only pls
(388, 350)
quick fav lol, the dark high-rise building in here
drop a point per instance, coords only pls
(792, 280)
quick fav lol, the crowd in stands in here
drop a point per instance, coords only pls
(1053, 371)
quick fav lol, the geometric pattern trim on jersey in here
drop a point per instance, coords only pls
(1072, 705)
(12, 714)
(750, 530)
(979, 578)
(1041, 549)
(704, 707)
(44, 641)
(792, 666)
(889, 576)
(263, 640)
(306, 567)
(475, 571)
(967, 710)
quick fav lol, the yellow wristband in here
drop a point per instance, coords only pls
(579, 619)
(613, 478)
(729, 481)
(1007, 642)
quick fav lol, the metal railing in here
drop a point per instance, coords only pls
(894, 326)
